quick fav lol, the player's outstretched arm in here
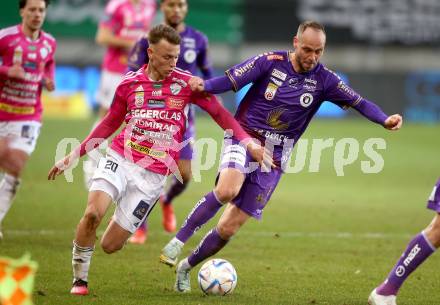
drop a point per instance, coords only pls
(108, 125)
(373, 112)
(214, 85)
(106, 38)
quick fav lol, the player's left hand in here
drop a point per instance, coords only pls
(261, 155)
(393, 122)
(49, 84)
(196, 84)
(59, 167)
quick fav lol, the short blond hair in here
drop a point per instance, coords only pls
(309, 24)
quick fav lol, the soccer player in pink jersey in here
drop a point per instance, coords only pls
(26, 65)
(153, 102)
(193, 58)
(125, 21)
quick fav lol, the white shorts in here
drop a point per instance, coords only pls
(107, 87)
(22, 135)
(134, 189)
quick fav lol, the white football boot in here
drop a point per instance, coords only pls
(183, 283)
(377, 299)
(171, 252)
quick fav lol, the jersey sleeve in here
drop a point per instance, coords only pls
(49, 69)
(339, 93)
(138, 55)
(221, 116)
(108, 125)
(111, 18)
(3, 69)
(342, 95)
(203, 61)
(248, 71)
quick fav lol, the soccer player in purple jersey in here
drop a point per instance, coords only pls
(193, 57)
(418, 250)
(288, 89)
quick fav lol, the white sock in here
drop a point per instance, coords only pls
(8, 189)
(184, 264)
(81, 257)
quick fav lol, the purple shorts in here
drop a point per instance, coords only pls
(257, 187)
(434, 199)
(186, 153)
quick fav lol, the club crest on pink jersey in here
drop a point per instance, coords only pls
(175, 88)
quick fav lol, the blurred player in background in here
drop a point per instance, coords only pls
(26, 66)
(288, 89)
(417, 251)
(124, 22)
(153, 103)
(193, 56)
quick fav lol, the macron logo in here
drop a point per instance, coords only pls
(412, 255)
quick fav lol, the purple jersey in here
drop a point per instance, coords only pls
(193, 53)
(281, 102)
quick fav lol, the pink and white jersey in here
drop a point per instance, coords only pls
(155, 113)
(126, 20)
(155, 119)
(21, 99)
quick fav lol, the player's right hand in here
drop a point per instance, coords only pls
(16, 71)
(261, 155)
(196, 84)
(49, 84)
(59, 167)
(393, 122)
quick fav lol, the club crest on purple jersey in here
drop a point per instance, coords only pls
(190, 55)
(306, 99)
(271, 90)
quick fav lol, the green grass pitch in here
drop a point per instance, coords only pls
(323, 239)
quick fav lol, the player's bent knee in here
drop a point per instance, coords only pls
(15, 166)
(226, 194)
(433, 232)
(110, 247)
(186, 177)
(92, 219)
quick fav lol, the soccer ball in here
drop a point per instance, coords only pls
(218, 277)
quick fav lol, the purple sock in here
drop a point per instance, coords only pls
(203, 211)
(417, 251)
(175, 189)
(210, 245)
